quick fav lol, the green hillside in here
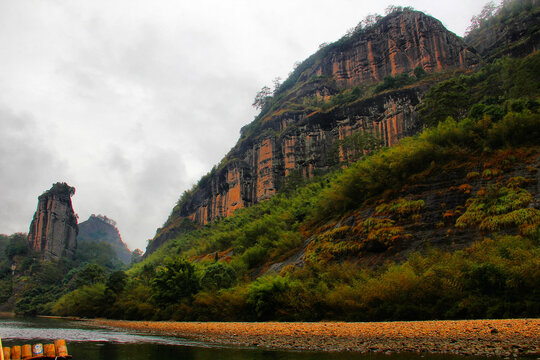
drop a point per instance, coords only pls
(443, 225)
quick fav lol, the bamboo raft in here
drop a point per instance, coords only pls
(57, 351)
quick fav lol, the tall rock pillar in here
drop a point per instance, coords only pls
(54, 229)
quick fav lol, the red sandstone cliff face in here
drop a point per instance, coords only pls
(397, 44)
(53, 231)
(300, 143)
(306, 142)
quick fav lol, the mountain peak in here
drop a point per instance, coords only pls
(294, 134)
(395, 44)
(100, 228)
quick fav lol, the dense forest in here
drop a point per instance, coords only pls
(443, 225)
(36, 284)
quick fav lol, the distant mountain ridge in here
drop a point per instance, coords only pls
(99, 228)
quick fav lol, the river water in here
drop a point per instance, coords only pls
(91, 343)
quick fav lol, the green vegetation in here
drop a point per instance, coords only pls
(207, 272)
(37, 284)
(483, 280)
(395, 82)
(401, 207)
(499, 207)
(12, 248)
(496, 277)
(59, 189)
(505, 85)
(516, 19)
(450, 140)
(352, 148)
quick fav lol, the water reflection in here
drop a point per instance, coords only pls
(43, 329)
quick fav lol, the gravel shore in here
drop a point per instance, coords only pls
(506, 338)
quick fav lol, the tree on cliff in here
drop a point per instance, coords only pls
(136, 256)
(60, 188)
(477, 21)
(262, 98)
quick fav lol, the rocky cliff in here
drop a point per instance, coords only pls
(397, 44)
(290, 137)
(301, 143)
(99, 228)
(53, 231)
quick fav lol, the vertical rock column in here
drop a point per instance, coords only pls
(53, 231)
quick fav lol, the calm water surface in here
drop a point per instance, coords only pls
(91, 343)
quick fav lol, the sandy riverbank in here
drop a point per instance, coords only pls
(515, 337)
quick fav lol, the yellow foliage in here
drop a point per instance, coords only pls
(499, 207)
(402, 207)
(473, 175)
(490, 173)
(465, 188)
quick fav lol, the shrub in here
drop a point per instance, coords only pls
(515, 130)
(254, 256)
(88, 301)
(266, 295)
(402, 207)
(174, 281)
(89, 275)
(391, 82)
(218, 276)
(499, 207)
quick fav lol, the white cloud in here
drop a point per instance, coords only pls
(25, 162)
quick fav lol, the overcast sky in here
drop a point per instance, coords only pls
(132, 101)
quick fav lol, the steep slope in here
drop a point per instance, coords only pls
(444, 225)
(102, 229)
(297, 134)
(513, 30)
(53, 231)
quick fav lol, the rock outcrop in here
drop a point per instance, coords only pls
(99, 228)
(299, 141)
(306, 144)
(397, 44)
(53, 231)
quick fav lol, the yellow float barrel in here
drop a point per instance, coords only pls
(7, 353)
(61, 348)
(48, 350)
(26, 351)
(16, 353)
